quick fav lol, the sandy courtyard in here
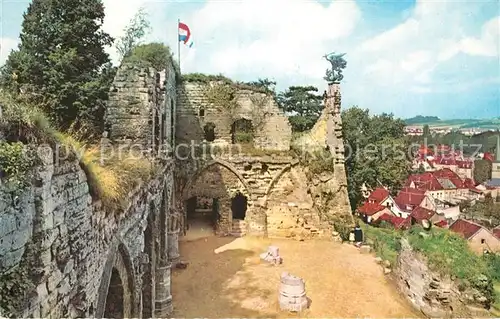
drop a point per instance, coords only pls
(226, 279)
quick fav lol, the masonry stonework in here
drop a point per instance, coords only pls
(195, 111)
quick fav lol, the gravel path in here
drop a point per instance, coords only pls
(225, 278)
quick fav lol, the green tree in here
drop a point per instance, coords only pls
(154, 54)
(303, 106)
(133, 33)
(376, 151)
(266, 84)
(421, 169)
(60, 63)
(482, 171)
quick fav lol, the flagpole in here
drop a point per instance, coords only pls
(178, 45)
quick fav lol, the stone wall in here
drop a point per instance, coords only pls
(195, 110)
(279, 202)
(433, 294)
(63, 254)
(142, 106)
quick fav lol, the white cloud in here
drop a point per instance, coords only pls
(285, 37)
(6, 46)
(489, 42)
(432, 34)
(118, 14)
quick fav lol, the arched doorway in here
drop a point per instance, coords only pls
(114, 300)
(239, 205)
(202, 215)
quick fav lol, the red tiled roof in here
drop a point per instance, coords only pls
(465, 228)
(496, 232)
(421, 213)
(489, 157)
(442, 223)
(397, 222)
(409, 196)
(378, 195)
(370, 209)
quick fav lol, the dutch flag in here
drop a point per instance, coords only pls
(185, 34)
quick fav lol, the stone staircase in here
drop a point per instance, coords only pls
(239, 228)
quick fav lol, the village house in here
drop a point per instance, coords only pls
(395, 221)
(480, 239)
(420, 214)
(444, 186)
(496, 232)
(370, 212)
(433, 158)
(410, 198)
(492, 186)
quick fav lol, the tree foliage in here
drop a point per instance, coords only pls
(133, 33)
(61, 64)
(376, 151)
(154, 54)
(303, 105)
(482, 171)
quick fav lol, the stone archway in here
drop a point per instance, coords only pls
(116, 291)
(209, 194)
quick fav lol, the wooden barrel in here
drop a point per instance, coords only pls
(292, 293)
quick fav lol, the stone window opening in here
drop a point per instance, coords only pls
(242, 131)
(483, 241)
(239, 205)
(209, 130)
(114, 300)
(264, 168)
(201, 112)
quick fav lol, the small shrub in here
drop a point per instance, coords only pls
(16, 161)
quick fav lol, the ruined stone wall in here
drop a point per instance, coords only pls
(59, 246)
(274, 131)
(142, 106)
(433, 294)
(62, 254)
(279, 202)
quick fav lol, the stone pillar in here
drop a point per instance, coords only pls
(163, 296)
(257, 222)
(173, 246)
(173, 231)
(335, 142)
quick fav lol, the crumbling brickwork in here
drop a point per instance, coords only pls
(195, 110)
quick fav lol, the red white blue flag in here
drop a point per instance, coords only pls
(185, 34)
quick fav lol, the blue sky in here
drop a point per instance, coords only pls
(406, 57)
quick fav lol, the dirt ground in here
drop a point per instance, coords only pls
(225, 278)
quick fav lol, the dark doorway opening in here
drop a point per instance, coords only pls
(202, 214)
(147, 278)
(114, 299)
(239, 205)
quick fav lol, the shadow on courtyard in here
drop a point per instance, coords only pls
(216, 282)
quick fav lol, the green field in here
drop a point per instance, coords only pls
(456, 123)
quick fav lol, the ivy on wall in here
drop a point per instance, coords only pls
(16, 161)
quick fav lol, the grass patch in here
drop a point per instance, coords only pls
(23, 122)
(111, 179)
(447, 252)
(386, 242)
(207, 78)
(496, 304)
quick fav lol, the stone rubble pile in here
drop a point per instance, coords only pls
(272, 255)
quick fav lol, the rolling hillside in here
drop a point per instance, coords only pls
(434, 121)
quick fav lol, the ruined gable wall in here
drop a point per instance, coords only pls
(273, 134)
